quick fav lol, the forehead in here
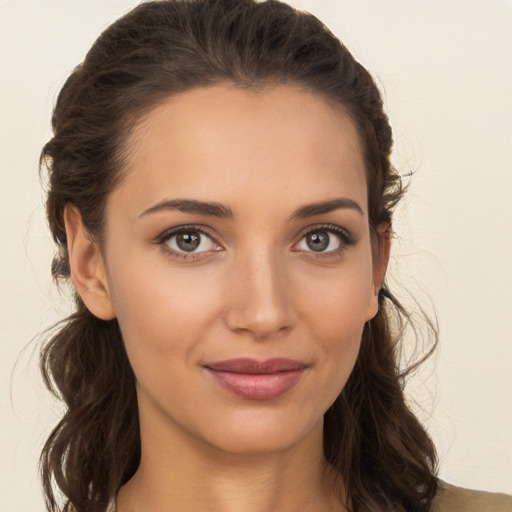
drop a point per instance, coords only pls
(227, 144)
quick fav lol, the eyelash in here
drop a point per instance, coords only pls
(163, 239)
(346, 240)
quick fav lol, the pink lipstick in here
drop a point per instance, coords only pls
(257, 380)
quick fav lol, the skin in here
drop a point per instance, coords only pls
(254, 288)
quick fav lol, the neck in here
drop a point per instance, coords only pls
(184, 474)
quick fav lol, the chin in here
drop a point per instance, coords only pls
(262, 432)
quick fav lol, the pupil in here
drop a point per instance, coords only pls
(318, 241)
(188, 241)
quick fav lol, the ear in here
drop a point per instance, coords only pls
(380, 265)
(87, 266)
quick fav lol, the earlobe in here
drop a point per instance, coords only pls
(87, 266)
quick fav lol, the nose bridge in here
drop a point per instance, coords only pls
(260, 301)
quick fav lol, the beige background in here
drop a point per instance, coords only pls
(445, 67)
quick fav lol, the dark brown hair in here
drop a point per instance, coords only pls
(377, 446)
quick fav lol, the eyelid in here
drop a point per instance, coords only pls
(326, 227)
(347, 238)
(164, 237)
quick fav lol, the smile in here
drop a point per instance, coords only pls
(255, 380)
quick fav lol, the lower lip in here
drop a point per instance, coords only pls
(257, 386)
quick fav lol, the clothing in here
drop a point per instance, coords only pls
(450, 498)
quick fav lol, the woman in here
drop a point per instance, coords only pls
(221, 196)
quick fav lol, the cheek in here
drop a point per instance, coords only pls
(338, 331)
(336, 303)
(161, 312)
(335, 313)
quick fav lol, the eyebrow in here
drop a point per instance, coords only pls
(321, 207)
(219, 210)
(191, 206)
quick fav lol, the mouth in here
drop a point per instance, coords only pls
(257, 380)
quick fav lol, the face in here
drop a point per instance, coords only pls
(239, 264)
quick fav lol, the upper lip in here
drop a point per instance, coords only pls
(253, 366)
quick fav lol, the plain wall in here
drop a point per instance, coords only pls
(445, 69)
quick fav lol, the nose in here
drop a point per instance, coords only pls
(260, 297)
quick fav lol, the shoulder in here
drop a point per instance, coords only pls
(450, 498)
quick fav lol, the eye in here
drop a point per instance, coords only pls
(187, 241)
(325, 240)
